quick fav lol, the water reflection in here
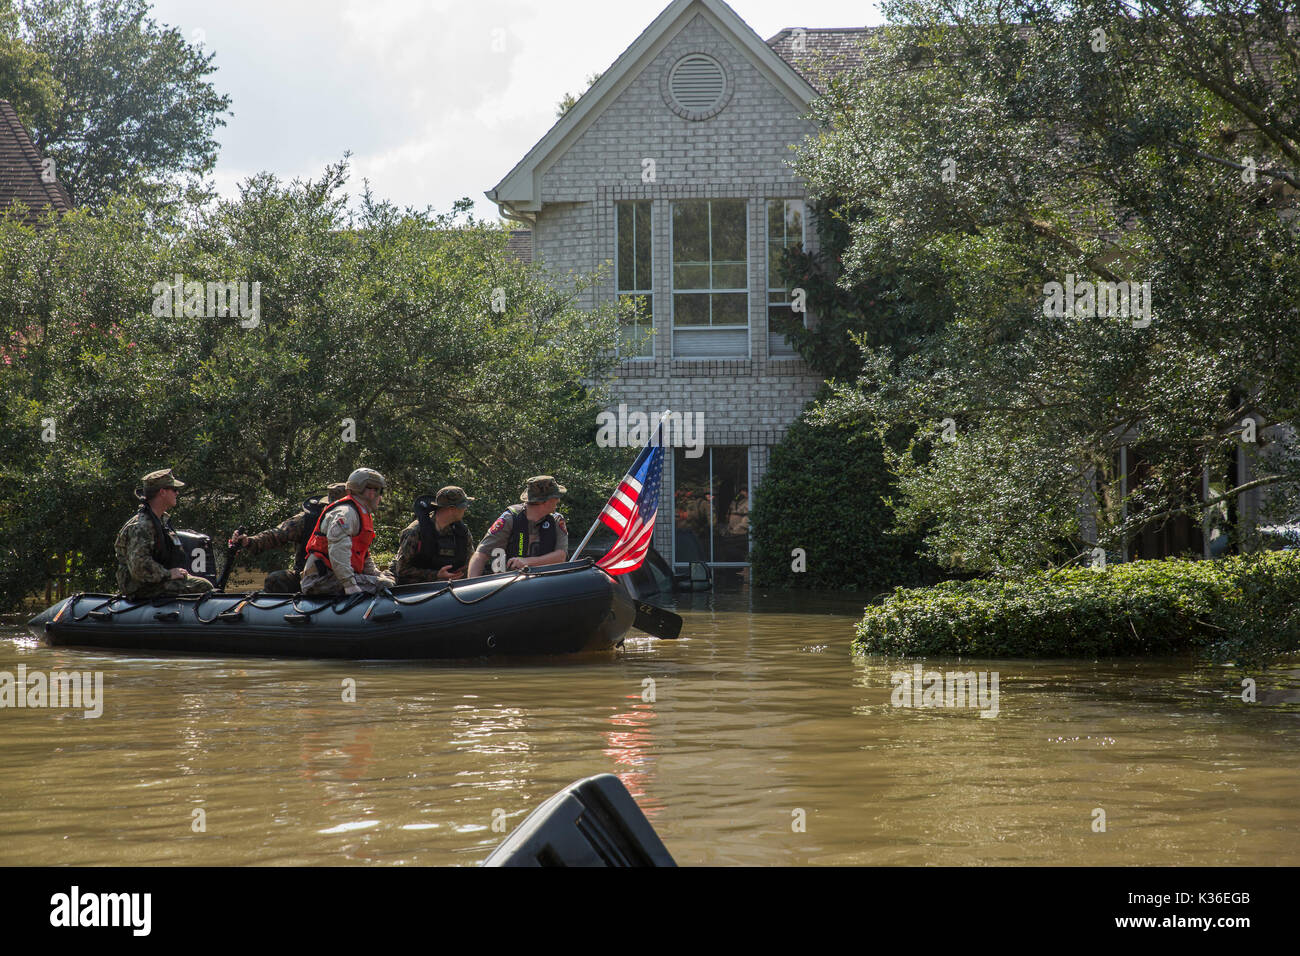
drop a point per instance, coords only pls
(764, 742)
(631, 749)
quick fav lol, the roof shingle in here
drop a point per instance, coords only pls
(813, 51)
(20, 171)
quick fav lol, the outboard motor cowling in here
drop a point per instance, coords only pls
(200, 560)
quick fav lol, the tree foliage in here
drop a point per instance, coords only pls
(826, 492)
(886, 307)
(995, 148)
(568, 101)
(120, 103)
(379, 324)
(26, 80)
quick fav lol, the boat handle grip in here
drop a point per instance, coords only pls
(167, 615)
(297, 618)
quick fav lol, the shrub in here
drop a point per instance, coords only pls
(824, 492)
(1243, 609)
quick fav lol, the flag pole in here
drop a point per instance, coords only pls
(592, 529)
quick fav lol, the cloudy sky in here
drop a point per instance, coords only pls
(435, 99)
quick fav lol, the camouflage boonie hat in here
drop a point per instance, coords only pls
(336, 490)
(453, 497)
(161, 479)
(540, 488)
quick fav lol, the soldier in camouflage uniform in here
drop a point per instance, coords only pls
(531, 534)
(293, 533)
(151, 560)
(338, 552)
(437, 546)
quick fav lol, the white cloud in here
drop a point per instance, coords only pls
(436, 99)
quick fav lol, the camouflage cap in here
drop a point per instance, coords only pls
(453, 496)
(540, 488)
(336, 490)
(161, 479)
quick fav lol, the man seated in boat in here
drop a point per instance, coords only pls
(338, 551)
(531, 534)
(150, 558)
(436, 546)
(291, 532)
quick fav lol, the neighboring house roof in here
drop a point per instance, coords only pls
(815, 51)
(519, 191)
(20, 171)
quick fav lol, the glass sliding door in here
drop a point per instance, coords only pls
(711, 506)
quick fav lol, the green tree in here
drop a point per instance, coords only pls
(25, 77)
(127, 106)
(827, 493)
(568, 101)
(397, 339)
(882, 307)
(997, 148)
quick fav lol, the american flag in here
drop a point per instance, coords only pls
(631, 510)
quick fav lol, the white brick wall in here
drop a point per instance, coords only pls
(741, 153)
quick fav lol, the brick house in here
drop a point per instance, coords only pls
(674, 167)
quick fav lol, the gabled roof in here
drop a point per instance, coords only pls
(520, 188)
(20, 171)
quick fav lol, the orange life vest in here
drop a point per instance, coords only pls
(319, 545)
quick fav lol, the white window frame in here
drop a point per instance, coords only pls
(767, 273)
(673, 291)
(649, 293)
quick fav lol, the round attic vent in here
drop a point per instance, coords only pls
(698, 87)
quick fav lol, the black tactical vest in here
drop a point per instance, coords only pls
(434, 553)
(313, 507)
(167, 548)
(546, 531)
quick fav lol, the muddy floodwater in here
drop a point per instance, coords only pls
(757, 739)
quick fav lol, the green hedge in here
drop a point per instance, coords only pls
(1244, 609)
(823, 492)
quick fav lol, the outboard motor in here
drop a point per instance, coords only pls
(594, 822)
(202, 562)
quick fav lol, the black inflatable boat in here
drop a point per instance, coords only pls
(558, 609)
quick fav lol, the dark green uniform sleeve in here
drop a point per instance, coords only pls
(407, 549)
(288, 532)
(134, 549)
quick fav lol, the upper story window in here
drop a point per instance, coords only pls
(785, 229)
(634, 268)
(710, 269)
